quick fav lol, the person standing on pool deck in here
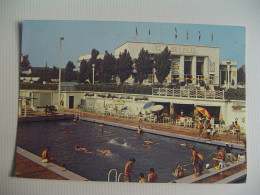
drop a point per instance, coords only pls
(194, 158)
(45, 155)
(201, 162)
(140, 118)
(237, 128)
(128, 170)
(152, 177)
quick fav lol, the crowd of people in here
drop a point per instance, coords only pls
(128, 173)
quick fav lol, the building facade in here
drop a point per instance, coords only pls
(189, 63)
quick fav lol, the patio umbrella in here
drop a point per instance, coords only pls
(203, 111)
(156, 108)
(148, 105)
(220, 117)
(118, 102)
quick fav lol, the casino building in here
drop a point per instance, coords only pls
(191, 64)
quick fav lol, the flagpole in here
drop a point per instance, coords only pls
(162, 35)
(211, 38)
(187, 37)
(149, 33)
(199, 37)
(175, 37)
(136, 33)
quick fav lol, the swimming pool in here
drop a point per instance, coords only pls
(163, 156)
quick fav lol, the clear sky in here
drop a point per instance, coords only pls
(41, 39)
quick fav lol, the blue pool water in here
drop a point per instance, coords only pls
(124, 144)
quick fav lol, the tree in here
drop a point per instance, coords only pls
(162, 65)
(124, 66)
(69, 71)
(241, 75)
(83, 71)
(55, 73)
(25, 63)
(107, 68)
(143, 65)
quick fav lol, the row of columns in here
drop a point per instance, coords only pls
(193, 68)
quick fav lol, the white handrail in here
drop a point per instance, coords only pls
(108, 177)
(119, 177)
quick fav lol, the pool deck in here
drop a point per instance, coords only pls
(212, 171)
(31, 166)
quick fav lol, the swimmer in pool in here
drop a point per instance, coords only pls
(139, 130)
(82, 150)
(101, 127)
(67, 129)
(106, 152)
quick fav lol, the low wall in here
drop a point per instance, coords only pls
(39, 118)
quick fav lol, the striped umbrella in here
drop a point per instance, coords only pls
(203, 111)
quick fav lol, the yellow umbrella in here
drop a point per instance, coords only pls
(203, 111)
(220, 117)
(118, 102)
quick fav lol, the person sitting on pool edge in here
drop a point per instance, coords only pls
(45, 155)
(179, 172)
(152, 177)
(229, 154)
(128, 170)
(142, 179)
(220, 157)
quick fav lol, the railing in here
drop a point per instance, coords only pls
(189, 93)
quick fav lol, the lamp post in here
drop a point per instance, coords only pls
(93, 71)
(61, 38)
(228, 67)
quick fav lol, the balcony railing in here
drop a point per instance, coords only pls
(189, 93)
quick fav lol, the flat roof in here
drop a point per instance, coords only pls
(155, 43)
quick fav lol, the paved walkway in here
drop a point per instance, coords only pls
(224, 137)
(27, 169)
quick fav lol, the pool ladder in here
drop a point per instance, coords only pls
(117, 179)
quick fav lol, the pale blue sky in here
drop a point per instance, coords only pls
(40, 39)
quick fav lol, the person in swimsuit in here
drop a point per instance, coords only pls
(220, 157)
(237, 128)
(102, 127)
(201, 161)
(179, 172)
(152, 177)
(201, 127)
(45, 155)
(82, 149)
(208, 127)
(142, 179)
(139, 130)
(128, 170)
(106, 152)
(229, 154)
